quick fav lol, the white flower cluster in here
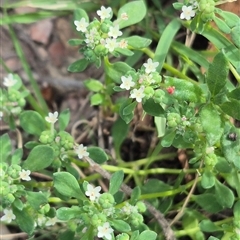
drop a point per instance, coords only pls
(104, 33)
(9, 81)
(189, 11)
(144, 78)
(104, 231)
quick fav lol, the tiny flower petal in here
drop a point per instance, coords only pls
(187, 12)
(51, 221)
(114, 32)
(123, 43)
(127, 82)
(81, 151)
(105, 231)
(81, 25)
(124, 16)
(104, 12)
(93, 193)
(8, 216)
(150, 66)
(111, 44)
(52, 117)
(9, 81)
(138, 94)
(24, 175)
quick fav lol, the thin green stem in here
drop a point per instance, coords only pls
(234, 72)
(44, 108)
(169, 68)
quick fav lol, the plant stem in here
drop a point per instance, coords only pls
(44, 108)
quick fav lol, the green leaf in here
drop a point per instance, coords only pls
(124, 112)
(165, 42)
(217, 74)
(96, 99)
(235, 94)
(65, 213)
(207, 202)
(232, 108)
(80, 13)
(213, 238)
(78, 66)
(6, 147)
(208, 226)
(68, 234)
(116, 70)
(93, 85)
(230, 18)
(185, 91)
(138, 42)
(147, 234)
(63, 119)
(18, 204)
(135, 195)
(211, 124)
(39, 158)
(231, 149)
(97, 155)
(119, 133)
(67, 185)
(24, 219)
(235, 32)
(135, 11)
(116, 181)
(75, 42)
(222, 25)
(120, 225)
(32, 122)
(208, 179)
(17, 156)
(160, 123)
(36, 199)
(236, 211)
(167, 140)
(124, 51)
(153, 108)
(224, 195)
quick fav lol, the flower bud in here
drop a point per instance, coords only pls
(98, 219)
(106, 200)
(149, 92)
(46, 137)
(123, 236)
(173, 120)
(141, 207)
(159, 96)
(100, 50)
(136, 219)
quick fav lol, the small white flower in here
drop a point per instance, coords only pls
(81, 151)
(24, 175)
(114, 32)
(81, 25)
(104, 12)
(187, 12)
(105, 231)
(138, 94)
(9, 81)
(111, 44)
(51, 221)
(128, 209)
(127, 82)
(8, 216)
(194, 3)
(124, 16)
(52, 117)
(123, 43)
(93, 192)
(150, 66)
(41, 220)
(1, 115)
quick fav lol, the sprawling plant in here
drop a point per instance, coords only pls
(194, 107)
